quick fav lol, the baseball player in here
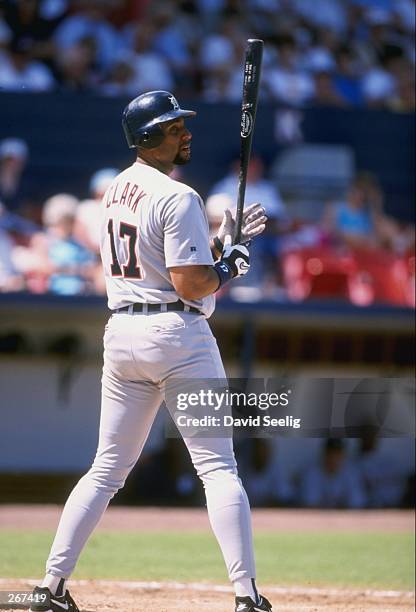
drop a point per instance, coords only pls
(161, 276)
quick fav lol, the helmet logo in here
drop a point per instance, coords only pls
(174, 102)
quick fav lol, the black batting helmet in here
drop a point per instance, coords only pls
(143, 115)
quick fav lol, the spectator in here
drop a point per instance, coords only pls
(69, 268)
(379, 84)
(13, 158)
(328, 14)
(90, 21)
(215, 207)
(120, 79)
(385, 479)
(76, 65)
(346, 79)
(34, 22)
(359, 220)
(333, 482)
(172, 40)
(10, 279)
(199, 46)
(220, 55)
(151, 69)
(262, 277)
(266, 482)
(403, 99)
(258, 188)
(353, 220)
(18, 72)
(88, 212)
(141, 69)
(326, 93)
(286, 82)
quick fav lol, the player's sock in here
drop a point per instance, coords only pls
(246, 587)
(55, 584)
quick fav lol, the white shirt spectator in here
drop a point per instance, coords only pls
(261, 190)
(88, 214)
(76, 27)
(330, 14)
(293, 87)
(319, 59)
(151, 73)
(378, 85)
(35, 76)
(343, 489)
(216, 51)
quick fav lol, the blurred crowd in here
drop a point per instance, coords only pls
(354, 251)
(327, 52)
(343, 474)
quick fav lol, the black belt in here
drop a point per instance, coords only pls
(178, 306)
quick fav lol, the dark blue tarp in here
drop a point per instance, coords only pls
(72, 135)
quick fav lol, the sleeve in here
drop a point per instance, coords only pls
(186, 237)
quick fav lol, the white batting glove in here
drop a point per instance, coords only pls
(254, 223)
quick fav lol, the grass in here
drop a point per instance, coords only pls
(370, 560)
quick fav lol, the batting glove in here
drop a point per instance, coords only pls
(237, 258)
(235, 261)
(254, 223)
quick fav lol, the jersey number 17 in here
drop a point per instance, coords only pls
(131, 269)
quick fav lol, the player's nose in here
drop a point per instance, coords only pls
(187, 136)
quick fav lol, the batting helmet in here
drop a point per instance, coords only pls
(143, 115)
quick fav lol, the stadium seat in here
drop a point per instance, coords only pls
(317, 272)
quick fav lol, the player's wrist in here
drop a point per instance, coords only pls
(224, 272)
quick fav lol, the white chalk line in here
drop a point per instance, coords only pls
(201, 586)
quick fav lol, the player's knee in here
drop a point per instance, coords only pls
(110, 479)
(220, 477)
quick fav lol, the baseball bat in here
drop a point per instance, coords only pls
(252, 70)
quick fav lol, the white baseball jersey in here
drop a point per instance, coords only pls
(151, 223)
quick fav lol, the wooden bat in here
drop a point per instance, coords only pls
(252, 70)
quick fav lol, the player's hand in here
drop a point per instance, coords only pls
(254, 223)
(236, 257)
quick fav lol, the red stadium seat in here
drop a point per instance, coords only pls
(317, 272)
(387, 273)
(362, 276)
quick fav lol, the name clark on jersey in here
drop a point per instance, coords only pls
(130, 196)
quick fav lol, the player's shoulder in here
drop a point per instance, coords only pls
(174, 186)
(174, 192)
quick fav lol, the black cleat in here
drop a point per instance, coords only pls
(44, 601)
(246, 604)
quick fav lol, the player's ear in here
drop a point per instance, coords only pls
(144, 139)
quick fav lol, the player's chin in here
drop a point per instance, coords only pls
(183, 157)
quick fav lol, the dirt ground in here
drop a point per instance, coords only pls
(96, 596)
(196, 519)
(107, 596)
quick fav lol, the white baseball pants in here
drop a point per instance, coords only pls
(142, 353)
